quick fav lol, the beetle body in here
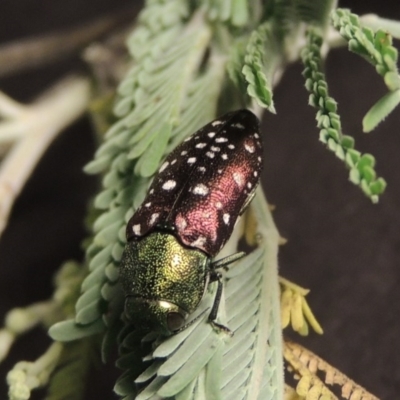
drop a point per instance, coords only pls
(189, 213)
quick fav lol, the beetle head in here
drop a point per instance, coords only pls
(163, 282)
(158, 315)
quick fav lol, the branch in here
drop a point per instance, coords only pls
(37, 125)
(41, 50)
(20, 320)
(26, 376)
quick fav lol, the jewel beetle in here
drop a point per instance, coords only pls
(189, 213)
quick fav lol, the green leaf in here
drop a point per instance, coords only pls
(235, 12)
(378, 186)
(66, 331)
(154, 154)
(376, 47)
(88, 314)
(103, 199)
(101, 257)
(347, 142)
(259, 68)
(89, 296)
(240, 12)
(380, 110)
(375, 22)
(97, 165)
(94, 278)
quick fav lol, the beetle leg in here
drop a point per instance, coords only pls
(191, 322)
(224, 262)
(216, 276)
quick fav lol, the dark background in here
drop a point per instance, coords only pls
(346, 250)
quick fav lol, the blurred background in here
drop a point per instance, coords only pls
(342, 247)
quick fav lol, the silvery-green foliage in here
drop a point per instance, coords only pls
(191, 61)
(134, 146)
(147, 129)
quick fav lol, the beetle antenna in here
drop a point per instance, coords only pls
(191, 322)
(224, 262)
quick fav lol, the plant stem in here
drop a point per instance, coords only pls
(24, 54)
(42, 122)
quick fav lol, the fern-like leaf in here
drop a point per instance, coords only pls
(152, 103)
(375, 22)
(376, 48)
(361, 167)
(261, 60)
(234, 12)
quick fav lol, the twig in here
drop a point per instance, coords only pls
(38, 124)
(20, 320)
(9, 108)
(41, 50)
(26, 376)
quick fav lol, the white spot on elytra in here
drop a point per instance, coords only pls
(181, 222)
(238, 178)
(206, 214)
(187, 139)
(169, 185)
(255, 173)
(136, 229)
(202, 169)
(165, 165)
(148, 204)
(250, 148)
(221, 140)
(200, 189)
(183, 153)
(151, 191)
(191, 160)
(259, 158)
(173, 162)
(224, 156)
(210, 154)
(218, 205)
(211, 134)
(238, 125)
(213, 148)
(231, 146)
(215, 123)
(153, 218)
(249, 185)
(200, 241)
(201, 145)
(220, 171)
(226, 218)
(256, 135)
